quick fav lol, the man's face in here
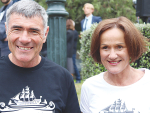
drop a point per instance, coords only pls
(5, 1)
(25, 39)
(87, 10)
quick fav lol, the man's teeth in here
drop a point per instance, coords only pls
(24, 48)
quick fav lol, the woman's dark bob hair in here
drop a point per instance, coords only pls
(135, 41)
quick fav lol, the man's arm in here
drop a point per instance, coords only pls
(82, 24)
(72, 105)
(99, 19)
(96, 19)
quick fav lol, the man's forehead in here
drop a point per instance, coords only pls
(19, 18)
(17, 15)
(20, 21)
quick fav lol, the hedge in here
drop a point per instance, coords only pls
(90, 68)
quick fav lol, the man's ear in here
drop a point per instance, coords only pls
(45, 35)
(92, 10)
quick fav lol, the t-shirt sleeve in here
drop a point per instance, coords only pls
(72, 105)
(84, 101)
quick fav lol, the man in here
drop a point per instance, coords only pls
(89, 18)
(78, 80)
(29, 82)
(4, 50)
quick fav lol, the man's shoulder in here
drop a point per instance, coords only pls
(51, 68)
(54, 66)
(51, 63)
(1, 8)
(75, 31)
(3, 61)
(10, 4)
(97, 17)
(71, 32)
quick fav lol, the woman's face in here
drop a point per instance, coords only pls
(113, 51)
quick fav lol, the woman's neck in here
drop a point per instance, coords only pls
(124, 78)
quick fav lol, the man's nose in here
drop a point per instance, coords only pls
(24, 37)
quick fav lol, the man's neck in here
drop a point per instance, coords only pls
(88, 15)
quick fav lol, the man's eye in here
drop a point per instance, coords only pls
(34, 32)
(16, 30)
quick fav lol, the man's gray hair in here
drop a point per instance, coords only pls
(29, 9)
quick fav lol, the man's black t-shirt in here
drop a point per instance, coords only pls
(46, 87)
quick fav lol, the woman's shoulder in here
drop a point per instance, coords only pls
(94, 79)
(145, 70)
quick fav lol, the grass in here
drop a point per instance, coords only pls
(78, 89)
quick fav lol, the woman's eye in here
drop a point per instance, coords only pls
(120, 47)
(105, 47)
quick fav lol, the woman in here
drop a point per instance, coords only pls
(70, 43)
(116, 43)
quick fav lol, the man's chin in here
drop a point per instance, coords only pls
(5, 3)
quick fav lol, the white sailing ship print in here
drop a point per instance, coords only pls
(26, 101)
(118, 107)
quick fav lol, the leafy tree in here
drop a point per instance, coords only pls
(42, 3)
(104, 8)
(1, 4)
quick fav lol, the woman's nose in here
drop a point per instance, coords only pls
(112, 54)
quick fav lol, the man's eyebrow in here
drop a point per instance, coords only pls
(35, 29)
(15, 26)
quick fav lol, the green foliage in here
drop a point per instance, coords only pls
(91, 68)
(1, 4)
(42, 3)
(104, 8)
(145, 29)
